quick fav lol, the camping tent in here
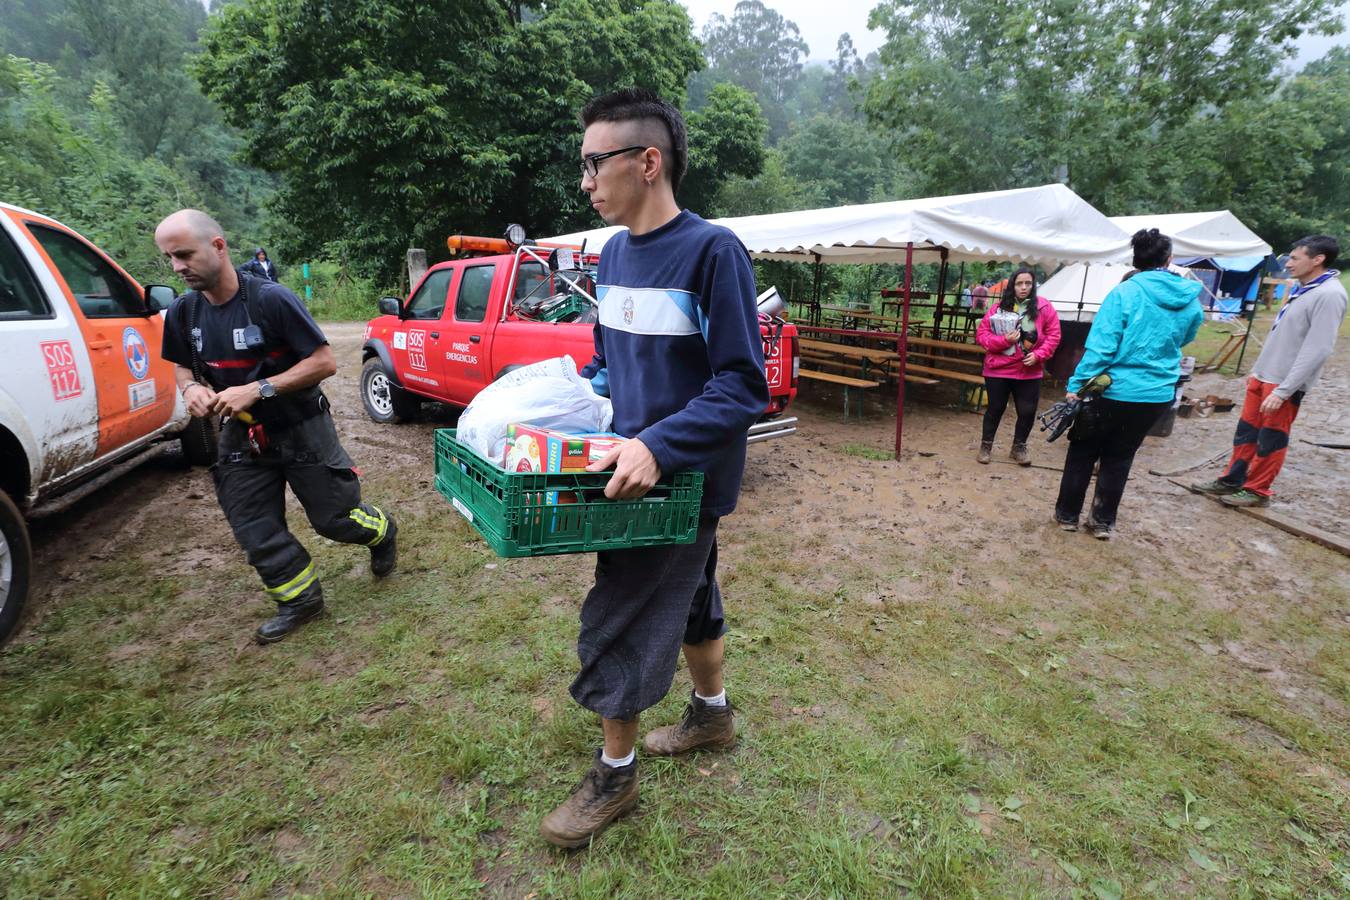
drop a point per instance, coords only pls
(1048, 225)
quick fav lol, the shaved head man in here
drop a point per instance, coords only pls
(246, 350)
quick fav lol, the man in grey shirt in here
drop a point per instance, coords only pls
(1301, 339)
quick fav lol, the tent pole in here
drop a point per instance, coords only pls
(942, 286)
(902, 348)
(1078, 317)
(1251, 323)
(815, 291)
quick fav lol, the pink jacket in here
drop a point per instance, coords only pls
(997, 365)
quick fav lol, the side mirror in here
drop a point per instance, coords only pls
(390, 306)
(562, 259)
(158, 297)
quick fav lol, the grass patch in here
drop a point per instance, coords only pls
(865, 452)
(899, 734)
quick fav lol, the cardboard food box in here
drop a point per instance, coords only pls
(533, 449)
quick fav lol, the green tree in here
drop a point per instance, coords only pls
(1127, 102)
(72, 165)
(138, 51)
(395, 122)
(726, 139)
(756, 49)
(1321, 96)
(841, 158)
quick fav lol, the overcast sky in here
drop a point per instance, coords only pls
(822, 21)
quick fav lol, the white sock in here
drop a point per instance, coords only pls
(618, 763)
(719, 700)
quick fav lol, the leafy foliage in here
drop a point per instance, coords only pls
(107, 129)
(1141, 108)
(726, 139)
(73, 167)
(393, 124)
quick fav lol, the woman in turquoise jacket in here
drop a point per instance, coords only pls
(1136, 338)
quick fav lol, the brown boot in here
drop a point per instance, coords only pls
(605, 794)
(986, 450)
(1020, 455)
(701, 726)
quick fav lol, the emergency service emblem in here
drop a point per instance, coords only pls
(628, 310)
(136, 353)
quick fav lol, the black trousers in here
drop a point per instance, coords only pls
(1025, 393)
(1125, 427)
(252, 493)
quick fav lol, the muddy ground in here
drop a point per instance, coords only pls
(898, 570)
(818, 488)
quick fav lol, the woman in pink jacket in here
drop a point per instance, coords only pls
(1018, 334)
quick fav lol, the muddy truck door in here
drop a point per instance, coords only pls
(47, 397)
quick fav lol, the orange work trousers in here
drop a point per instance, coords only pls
(1261, 439)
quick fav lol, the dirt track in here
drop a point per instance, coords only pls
(821, 495)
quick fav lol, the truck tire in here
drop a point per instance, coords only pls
(199, 441)
(385, 402)
(16, 563)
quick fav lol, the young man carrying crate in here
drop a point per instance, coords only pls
(678, 350)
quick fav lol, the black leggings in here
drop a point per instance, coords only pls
(1025, 392)
(1125, 427)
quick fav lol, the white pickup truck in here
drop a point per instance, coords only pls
(85, 394)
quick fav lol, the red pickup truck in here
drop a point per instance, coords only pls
(498, 307)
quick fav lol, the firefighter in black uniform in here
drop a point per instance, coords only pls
(247, 349)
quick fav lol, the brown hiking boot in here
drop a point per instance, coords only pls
(1020, 455)
(701, 726)
(986, 451)
(605, 794)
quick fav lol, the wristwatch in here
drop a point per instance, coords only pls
(265, 389)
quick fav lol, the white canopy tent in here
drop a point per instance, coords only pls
(1048, 225)
(1077, 290)
(1215, 233)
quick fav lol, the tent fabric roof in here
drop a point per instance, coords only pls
(1090, 284)
(1226, 263)
(1214, 233)
(1049, 224)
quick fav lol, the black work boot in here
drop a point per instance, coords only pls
(384, 555)
(289, 617)
(1020, 455)
(605, 794)
(700, 726)
(986, 451)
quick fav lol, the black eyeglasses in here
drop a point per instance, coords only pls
(590, 165)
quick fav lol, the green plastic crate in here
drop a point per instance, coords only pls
(509, 510)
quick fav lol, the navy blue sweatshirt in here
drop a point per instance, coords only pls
(678, 351)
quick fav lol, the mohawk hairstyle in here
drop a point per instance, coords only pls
(638, 105)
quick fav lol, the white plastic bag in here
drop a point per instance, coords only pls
(550, 394)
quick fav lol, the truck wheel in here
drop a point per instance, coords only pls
(385, 402)
(199, 441)
(16, 562)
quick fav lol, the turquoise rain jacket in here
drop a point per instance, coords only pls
(1138, 335)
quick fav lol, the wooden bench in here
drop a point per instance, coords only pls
(820, 360)
(848, 382)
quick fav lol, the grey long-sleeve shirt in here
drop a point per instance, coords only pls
(1302, 339)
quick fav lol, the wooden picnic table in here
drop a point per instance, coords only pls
(872, 354)
(959, 346)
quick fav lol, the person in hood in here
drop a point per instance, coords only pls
(1136, 339)
(1018, 335)
(260, 266)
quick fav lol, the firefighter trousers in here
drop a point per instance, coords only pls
(251, 488)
